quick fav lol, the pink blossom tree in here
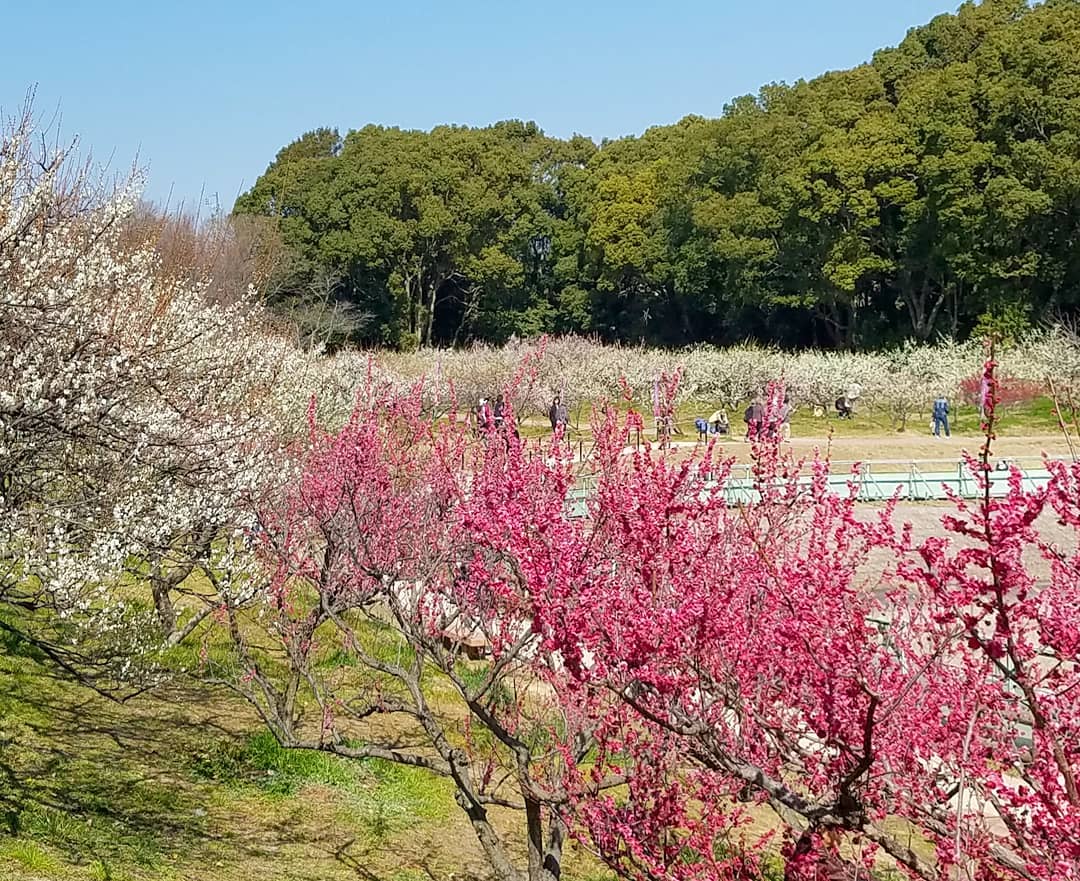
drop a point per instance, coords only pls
(877, 694)
(682, 661)
(413, 575)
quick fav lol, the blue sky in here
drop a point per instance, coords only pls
(205, 93)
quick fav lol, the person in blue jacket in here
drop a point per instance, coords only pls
(941, 416)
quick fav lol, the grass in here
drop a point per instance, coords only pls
(1030, 418)
(192, 788)
(30, 856)
(261, 761)
(187, 784)
(388, 795)
(1025, 419)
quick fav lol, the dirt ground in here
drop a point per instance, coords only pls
(925, 520)
(893, 452)
(906, 447)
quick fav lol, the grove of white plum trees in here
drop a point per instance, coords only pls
(134, 414)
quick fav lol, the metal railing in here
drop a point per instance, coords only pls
(912, 480)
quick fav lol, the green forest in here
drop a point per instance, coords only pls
(921, 194)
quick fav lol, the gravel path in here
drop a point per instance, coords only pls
(925, 520)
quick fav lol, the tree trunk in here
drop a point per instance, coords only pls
(924, 318)
(430, 323)
(553, 856)
(164, 580)
(545, 854)
(954, 316)
(489, 840)
(841, 332)
(163, 604)
(414, 310)
(916, 303)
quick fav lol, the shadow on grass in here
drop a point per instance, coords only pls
(184, 782)
(361, 859)
(115, 785)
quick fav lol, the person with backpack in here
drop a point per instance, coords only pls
(941, 416)
(702, 428)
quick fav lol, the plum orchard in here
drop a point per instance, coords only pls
(897, 383)
(657, 671)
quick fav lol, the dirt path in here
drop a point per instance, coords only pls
(904, 448)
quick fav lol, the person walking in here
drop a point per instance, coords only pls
(785, 418)
(499, 412)
(483, 416)
(941, 416)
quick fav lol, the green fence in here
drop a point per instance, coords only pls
(920, 480)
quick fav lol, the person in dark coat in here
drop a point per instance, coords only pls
(754, 417)
(557, 414)
(941, 416)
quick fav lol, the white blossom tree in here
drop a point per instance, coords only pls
(135, 416)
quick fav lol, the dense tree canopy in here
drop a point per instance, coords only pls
(903, 198)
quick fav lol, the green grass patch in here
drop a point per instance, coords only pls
(263, 762)
(30, 856)
(395, 800)
(473, 673)
(1034, 417)
(193, 655)
(382, 789)
(378, 799)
